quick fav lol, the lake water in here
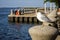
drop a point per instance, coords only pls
(12, 31)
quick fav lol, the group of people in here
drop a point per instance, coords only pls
(17, 12)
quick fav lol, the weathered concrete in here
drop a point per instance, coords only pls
(58, 37)
(43, 32)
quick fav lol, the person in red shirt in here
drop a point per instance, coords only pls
(17, 12)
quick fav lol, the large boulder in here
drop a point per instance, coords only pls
(43, 32)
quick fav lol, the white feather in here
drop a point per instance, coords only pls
(41, 17)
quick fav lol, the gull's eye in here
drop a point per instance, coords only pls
(50, 25)
(56, 17)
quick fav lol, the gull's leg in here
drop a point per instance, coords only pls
(47, 24)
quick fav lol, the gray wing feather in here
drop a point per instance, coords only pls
(44, 17)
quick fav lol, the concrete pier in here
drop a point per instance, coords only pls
(27, 15)
(27, 18)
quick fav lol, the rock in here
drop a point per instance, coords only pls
(58, 37)
(43, 33)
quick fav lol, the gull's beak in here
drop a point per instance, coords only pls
(36, 12)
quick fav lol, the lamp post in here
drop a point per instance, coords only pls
(11, 11)
(45, 7)
(53, 6)
(50, 7)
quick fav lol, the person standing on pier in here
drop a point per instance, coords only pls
(17, 12)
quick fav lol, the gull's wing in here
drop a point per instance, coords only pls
(44, 17)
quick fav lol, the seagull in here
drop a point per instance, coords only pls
(42, 17)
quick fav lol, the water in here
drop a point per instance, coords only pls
(12, 31)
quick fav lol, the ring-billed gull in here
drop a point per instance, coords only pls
(43, 18)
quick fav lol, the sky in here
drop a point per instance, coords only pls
(22, 3)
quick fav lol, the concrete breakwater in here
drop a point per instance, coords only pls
(58, 23)
(23, 19)
(26, 18)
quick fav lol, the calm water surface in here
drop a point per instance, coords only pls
(12, 31)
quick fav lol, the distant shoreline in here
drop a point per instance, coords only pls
(23, 7)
